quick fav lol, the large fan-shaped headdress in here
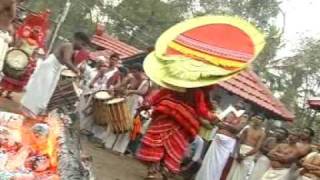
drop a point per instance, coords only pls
(203, 51)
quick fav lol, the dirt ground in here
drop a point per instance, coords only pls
(110, 166)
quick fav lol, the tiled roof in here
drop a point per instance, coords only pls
(112, 45)
(314, 103)
(249, 86)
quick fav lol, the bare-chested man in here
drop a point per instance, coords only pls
(137, 86)
(251, 140)
(311, 166)
(282, 158)
(7, 13)
(45, 79)
(222, 145)
(304, 147)
(305, 141)
(262, 161)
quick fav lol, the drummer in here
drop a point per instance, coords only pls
(108, 74)
(47, 75)
(138, 86)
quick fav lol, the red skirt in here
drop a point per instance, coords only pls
(17, 85)
(10, 84)
(165, 142)
(173, 126)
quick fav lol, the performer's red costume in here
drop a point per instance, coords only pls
(32, 34)
(17, 85)
(175, 123)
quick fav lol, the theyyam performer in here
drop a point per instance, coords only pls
(188, 59)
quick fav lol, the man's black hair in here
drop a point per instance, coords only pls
(311, 131)
(115, 55)
(123, 70)
(82, 37)
(259, 116)
(136, 66)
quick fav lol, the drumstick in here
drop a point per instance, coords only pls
(120, 118)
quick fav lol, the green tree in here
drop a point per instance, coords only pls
(302, 81)
(140, 22)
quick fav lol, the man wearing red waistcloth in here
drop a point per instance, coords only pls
(188, 59)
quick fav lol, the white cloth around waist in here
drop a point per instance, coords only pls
(42, 84)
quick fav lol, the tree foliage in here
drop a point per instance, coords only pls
(140, 22)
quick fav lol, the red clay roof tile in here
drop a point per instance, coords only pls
(249, 86)
(111, 45)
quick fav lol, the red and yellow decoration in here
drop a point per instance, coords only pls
(203, 51)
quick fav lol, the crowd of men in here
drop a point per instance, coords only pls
(254, 153)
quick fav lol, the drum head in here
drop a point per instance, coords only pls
(17, 59)
(103, 95)
(68, 73)
(116, 100)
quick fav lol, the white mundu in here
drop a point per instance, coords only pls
(42, 84)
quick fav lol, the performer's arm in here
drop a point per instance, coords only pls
(202, 106)
(67, 51)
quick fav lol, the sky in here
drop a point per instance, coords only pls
(302, 19)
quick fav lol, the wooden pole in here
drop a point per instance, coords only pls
(58, 27)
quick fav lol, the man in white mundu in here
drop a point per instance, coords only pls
(251, 139)
(43, 82)
(222, 145)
